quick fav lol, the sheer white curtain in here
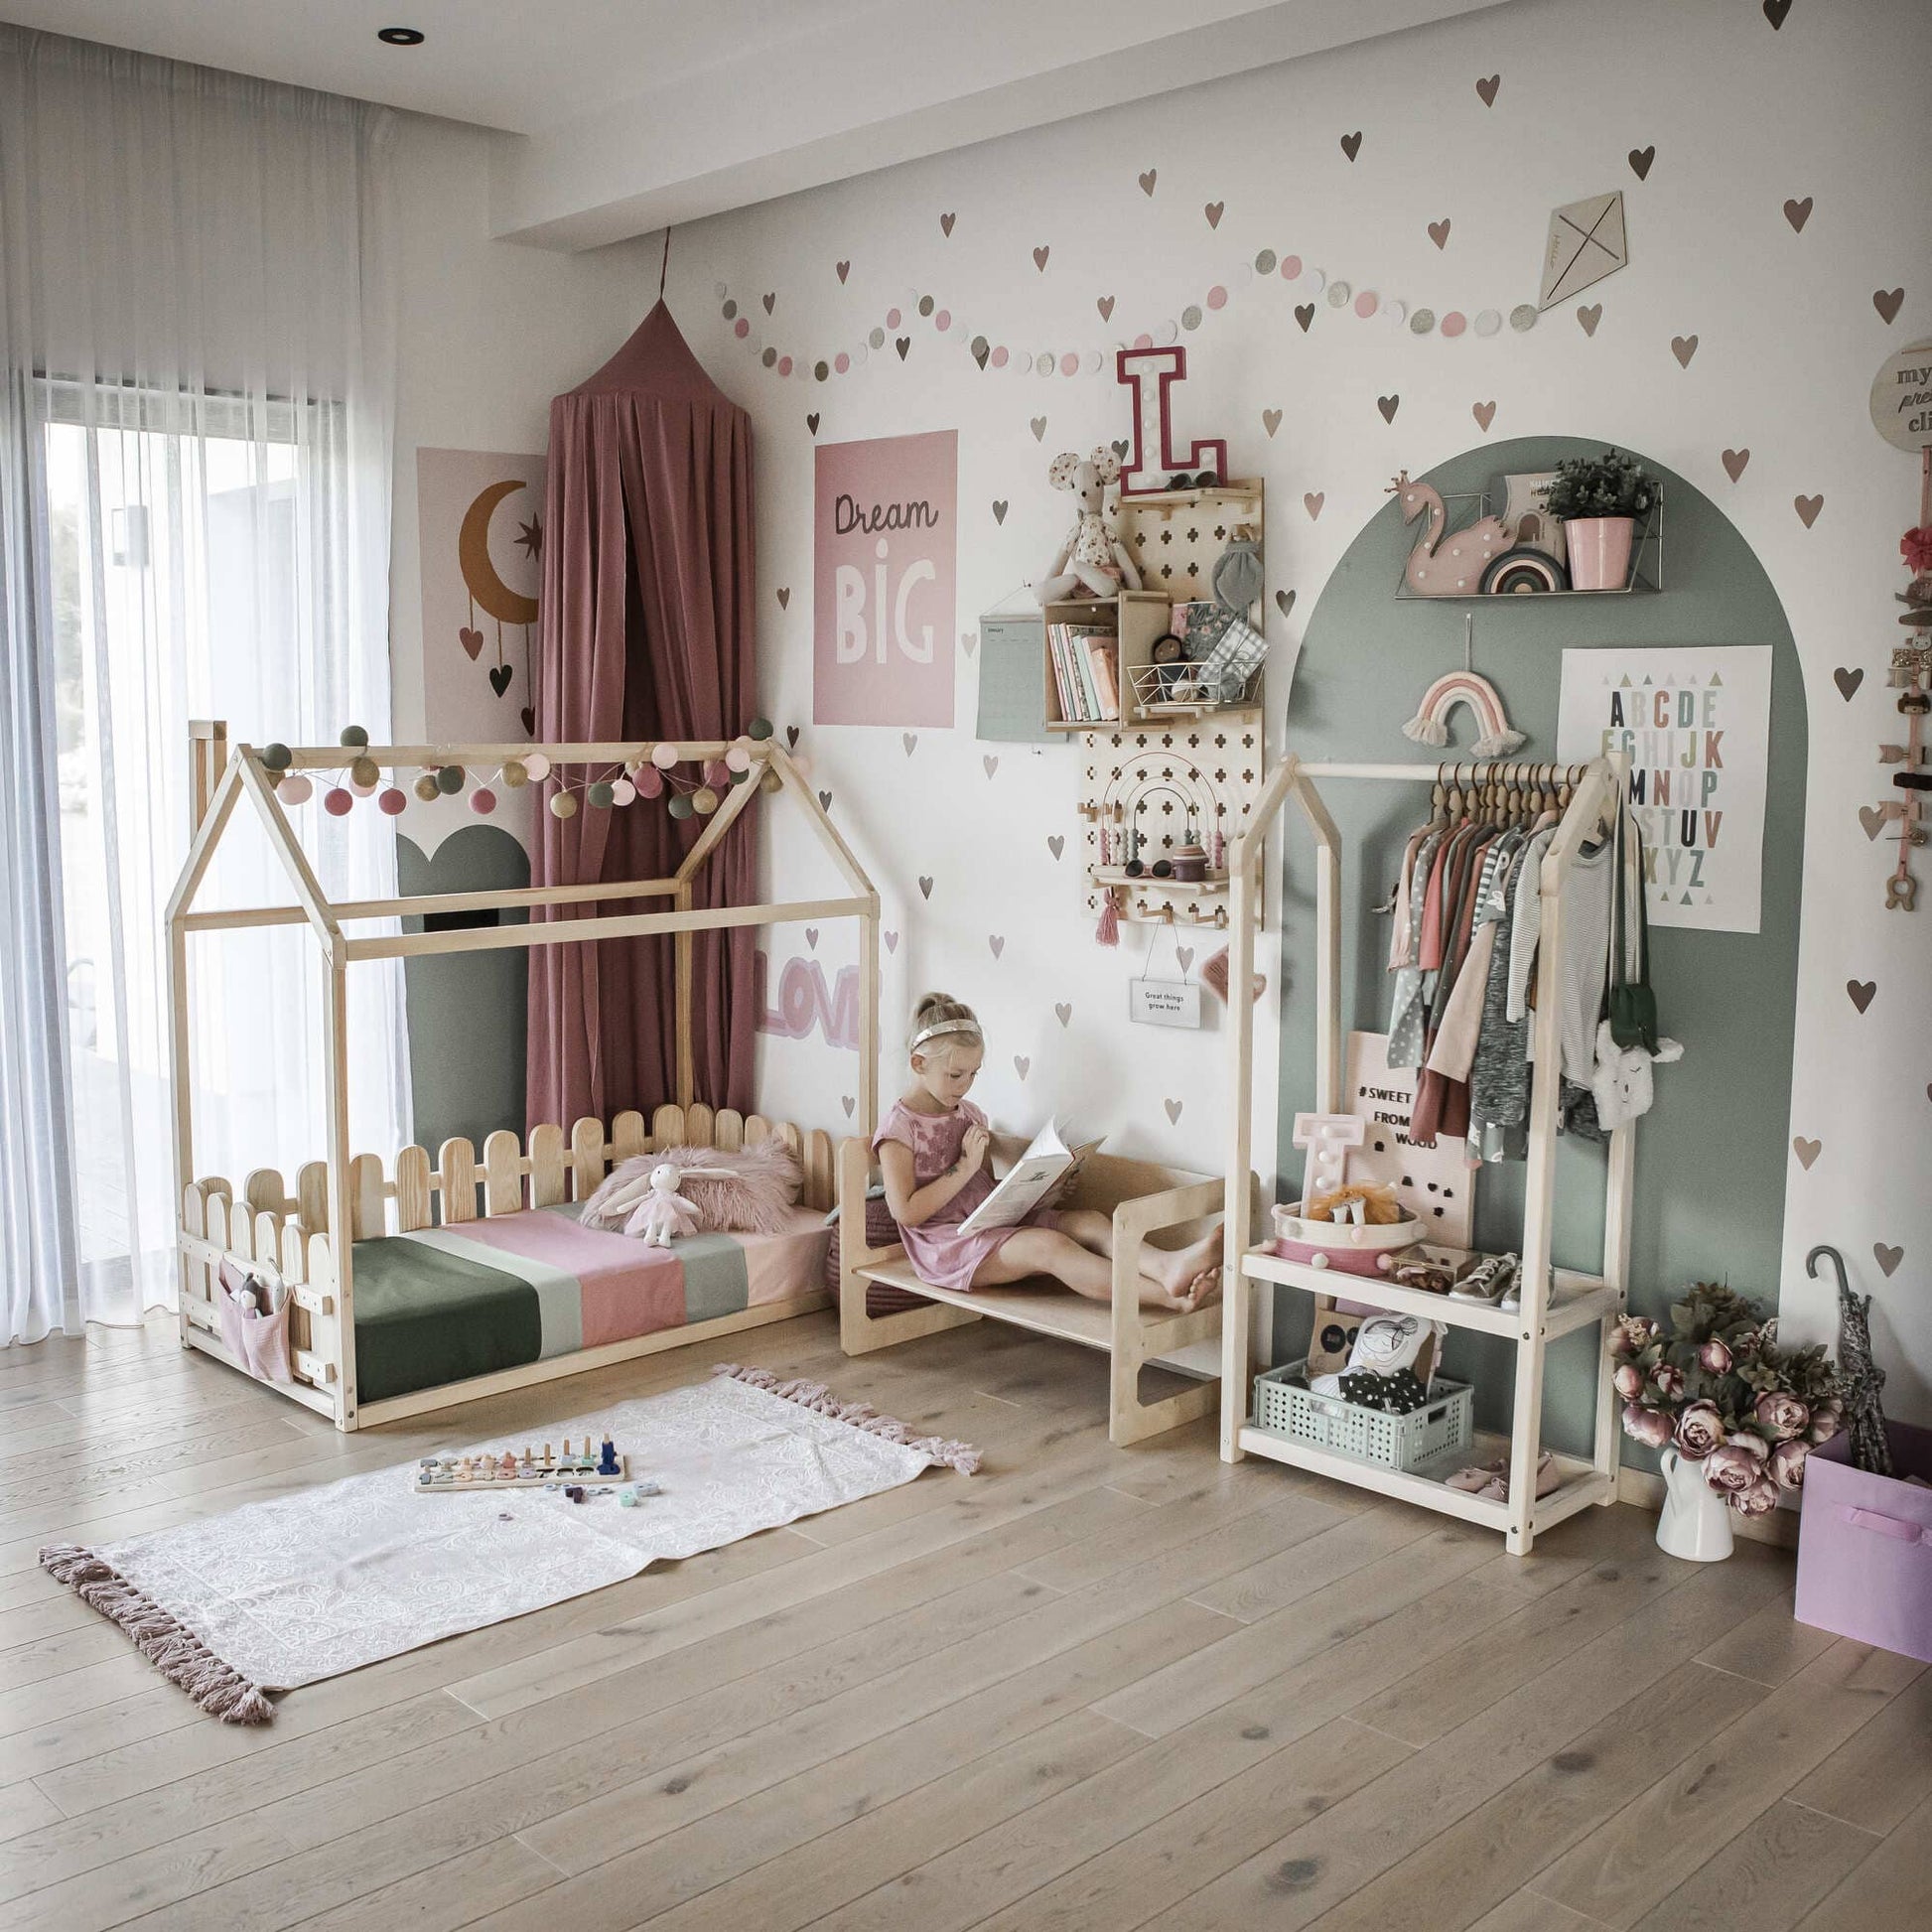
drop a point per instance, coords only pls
(197, 324)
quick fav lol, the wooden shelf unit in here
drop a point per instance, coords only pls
(1136, 619)
(1554, 1301)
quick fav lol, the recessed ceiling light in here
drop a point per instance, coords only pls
(400, 36)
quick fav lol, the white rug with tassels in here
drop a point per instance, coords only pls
(284, 1592)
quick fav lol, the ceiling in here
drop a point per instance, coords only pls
(636, 113)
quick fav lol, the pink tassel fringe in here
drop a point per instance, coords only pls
(820, 1400)
(160, 1636)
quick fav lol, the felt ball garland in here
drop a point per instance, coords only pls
(657, 774)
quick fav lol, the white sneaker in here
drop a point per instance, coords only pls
(1487, 1280)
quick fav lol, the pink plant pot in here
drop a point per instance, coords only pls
(1600, 551)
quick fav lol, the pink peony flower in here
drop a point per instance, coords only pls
(1732, 1469)
(1670, 1381)
(1700, 1430)
(1631, 1336)
(1826, 1421)
(1780, 1415)
(1646, 1426)
(1758, 1500)
(1789, 1464)
(1629, 1380)
(1715, 1356)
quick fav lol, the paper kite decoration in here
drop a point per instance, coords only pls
(1586, 243)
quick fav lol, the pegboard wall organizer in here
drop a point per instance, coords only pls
(1176, 536)
(1146, 796)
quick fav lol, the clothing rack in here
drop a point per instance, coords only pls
(1554, 1301)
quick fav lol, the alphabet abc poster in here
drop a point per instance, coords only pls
(884, 540)
(1695, 724)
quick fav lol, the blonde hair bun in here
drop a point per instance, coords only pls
(941, 1014)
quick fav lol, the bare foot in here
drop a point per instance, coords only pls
(1177, 1269)
(1204, 1290)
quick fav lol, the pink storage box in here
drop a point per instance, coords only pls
(1865, 1546)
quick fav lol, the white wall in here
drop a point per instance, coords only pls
(489, 332)
(1741, 116)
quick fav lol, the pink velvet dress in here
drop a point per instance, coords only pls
(938, 1252)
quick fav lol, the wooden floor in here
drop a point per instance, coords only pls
(1088, 1688)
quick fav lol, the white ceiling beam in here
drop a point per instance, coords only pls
(903, 84)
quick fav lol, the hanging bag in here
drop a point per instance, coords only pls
(1632, 1004)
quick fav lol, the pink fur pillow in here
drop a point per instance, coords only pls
(755, 1195)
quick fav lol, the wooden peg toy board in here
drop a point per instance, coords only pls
(579, 1470)
(1155, 779)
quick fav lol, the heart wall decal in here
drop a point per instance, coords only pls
(1284, 601)
(1848, 681)
(472, 640)
(791, 736)
(945, 225)
(1105, 304)
(1484, 413)
(1438, 232)
(1388, 405)
(1304, 314)
(990, 762)
(891, 941)
(1887, 1257)
(1055, 843)
(1775, 11)
(1271, 420)
(1872, 819)
(1808, 508)
(999, 509)
(1861, 991)
(1148, 178)
(784, 597)
(1174, 1108)
(845, 270)
(1807, 1150)
(1351, 144)
(911, 740)
(1487, 90)
(500, 678)
(1063, 1012)
(848, 1102)
(1590, 315)
(998, 942)
(811, 422)
(1040, 257)
(1039, 428)
(1313, 500)
(1683, 348)
(1641, 160)
(1888, 302)
(925, 885)
(1798, 213)
(1735, 462)
(1214, 212)
(1022, 1064)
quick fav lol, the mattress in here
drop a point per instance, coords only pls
(443, 1305)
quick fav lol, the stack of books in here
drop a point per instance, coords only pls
(1086, 672)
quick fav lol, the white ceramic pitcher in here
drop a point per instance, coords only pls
(1695, 1520)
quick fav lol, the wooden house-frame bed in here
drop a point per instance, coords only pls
(309, 1235)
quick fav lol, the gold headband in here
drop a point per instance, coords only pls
(944, 1027)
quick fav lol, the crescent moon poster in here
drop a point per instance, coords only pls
(480, 518)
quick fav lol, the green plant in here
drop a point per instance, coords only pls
(1610, 485)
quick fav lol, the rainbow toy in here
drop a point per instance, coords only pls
(1430, 725)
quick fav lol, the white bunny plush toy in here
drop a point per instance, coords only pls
(663, 1216)
(1092, 559)
(1622, 1085)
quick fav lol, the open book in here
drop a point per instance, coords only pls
(1030, 1179)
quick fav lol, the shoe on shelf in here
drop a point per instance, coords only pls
(1477, 1479)
(1487, 1280)
(1548, 1477)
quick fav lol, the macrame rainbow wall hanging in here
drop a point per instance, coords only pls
(1430, 725)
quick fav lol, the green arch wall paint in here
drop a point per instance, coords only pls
(467, 1011)
(1712, 1157)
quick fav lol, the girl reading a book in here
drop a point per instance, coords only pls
(934, 1151)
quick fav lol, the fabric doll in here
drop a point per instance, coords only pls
(663, 1216)
(1093, 558)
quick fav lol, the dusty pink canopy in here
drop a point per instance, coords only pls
(646, 633)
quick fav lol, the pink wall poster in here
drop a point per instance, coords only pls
(882, 600)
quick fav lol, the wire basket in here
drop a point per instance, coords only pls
(1446, 1422)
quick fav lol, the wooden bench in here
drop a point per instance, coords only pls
(1140, 1196)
